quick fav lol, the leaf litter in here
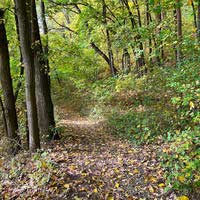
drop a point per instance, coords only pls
(88, 163)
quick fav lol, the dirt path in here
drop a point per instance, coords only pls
(89, 163)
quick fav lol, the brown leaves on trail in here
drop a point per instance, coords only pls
(87, 164)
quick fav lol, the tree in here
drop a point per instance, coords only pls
(25, 42)
(108, 40)
(7, 88)
(140, 61)
(51, 122)
(198, 19)
(44, 102)
(179, 31)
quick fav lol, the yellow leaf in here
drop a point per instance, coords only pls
(44, 164)
(151, 189)
(181, 179)
(72, 167)
(182, 198)
(95, 190)
(110, 198)
(116, 170)
(190, 2)
(161, 185)
(66, 186)
(135, 171)
(153, 179)
(117, 185)
(191, 105)
(84, 174)
(187, 175)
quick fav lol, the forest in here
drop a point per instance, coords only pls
(100, 99)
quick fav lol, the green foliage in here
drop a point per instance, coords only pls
(182, 161)
(44, 168)
(185, 150)
(141, 127)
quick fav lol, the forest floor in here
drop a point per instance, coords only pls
(87, 163)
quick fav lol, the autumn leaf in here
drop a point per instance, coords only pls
(66, 186)
(117, 185)
(153, 179)
(190, 2)
(181, 179)
(183, 198)
(135, 171)
(161, 185)
(95, 190)
(110, 198)
(191, 105)
(151, 189)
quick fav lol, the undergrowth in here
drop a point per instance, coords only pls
(160, 108)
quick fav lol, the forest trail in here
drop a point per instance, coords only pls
(98, 165)
(90, 163)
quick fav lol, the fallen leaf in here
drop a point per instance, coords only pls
(183, 198)
(135, 171)
(117, 185)
(161, 185)
(66, 186)
(95, 190)
(181, 179)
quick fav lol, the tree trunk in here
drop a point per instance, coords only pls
(25, 42)
(44, 102)
(7, 88)
(19, 84)
(4, 117)
(194, 14)
(150, 40)
(198, 20)
(179, 30)
(140, 61)
(159, 19)
(108, 40)
(126, 62)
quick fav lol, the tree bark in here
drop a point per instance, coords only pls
(44, 102)
(4, 117)
(19, 84)
(179, 30)
(198, 20)
(194, 14)
(126, 62)
(7, 88)
(148, 17)
(140, 61)
(25, 42)
(108, 40)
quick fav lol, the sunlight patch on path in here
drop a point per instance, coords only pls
(81, 122)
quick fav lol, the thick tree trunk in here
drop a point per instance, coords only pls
(7, 88)
(25, 42)
(43, 91)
